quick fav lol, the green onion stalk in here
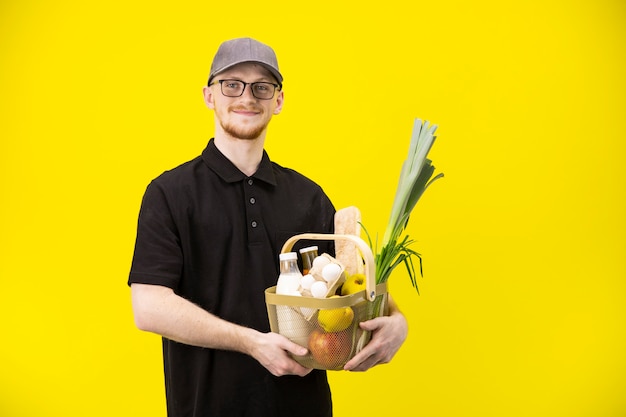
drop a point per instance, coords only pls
(415, 177)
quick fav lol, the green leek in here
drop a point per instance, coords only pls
(415, 177)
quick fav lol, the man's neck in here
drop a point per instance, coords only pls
(245, 154)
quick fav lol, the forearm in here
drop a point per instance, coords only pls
(159, 310)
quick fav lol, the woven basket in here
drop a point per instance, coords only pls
(297, 317)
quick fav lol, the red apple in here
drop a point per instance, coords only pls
(330, 349)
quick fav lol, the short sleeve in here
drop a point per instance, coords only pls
(157, 258)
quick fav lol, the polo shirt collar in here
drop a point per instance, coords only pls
(223, 167)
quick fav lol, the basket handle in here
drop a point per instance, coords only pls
(366, 253)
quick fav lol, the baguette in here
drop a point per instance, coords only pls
(347, 222)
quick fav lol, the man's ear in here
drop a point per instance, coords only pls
(279, 102)
(207, 92)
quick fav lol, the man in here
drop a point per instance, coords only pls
(208, 238)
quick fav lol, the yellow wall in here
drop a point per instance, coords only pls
(522, 307)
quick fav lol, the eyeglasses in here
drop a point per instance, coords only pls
(235, 88)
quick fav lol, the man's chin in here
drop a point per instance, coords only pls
(244, 134)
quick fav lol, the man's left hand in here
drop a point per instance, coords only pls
(388, 334)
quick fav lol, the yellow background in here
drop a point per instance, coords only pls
(522, 306)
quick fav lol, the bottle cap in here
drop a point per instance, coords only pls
(309, 249)
(288, 256)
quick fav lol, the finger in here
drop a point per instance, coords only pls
(370, 325)
(289, 346)
(296, 349)
(366, 365)
(354, 363)
(287, 366)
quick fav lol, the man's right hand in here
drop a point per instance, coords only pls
(272, 351)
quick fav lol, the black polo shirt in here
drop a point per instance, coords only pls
(213, 235)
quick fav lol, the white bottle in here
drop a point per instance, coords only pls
(291, 322)
(290, 275)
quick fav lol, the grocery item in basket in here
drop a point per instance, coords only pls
(308, 255)
(320, 262)
(293, 324)
(354, 283)
(328, 270)
(319, 289)
(335, 319)
(331, 350)
(348, 222)
(290, 276)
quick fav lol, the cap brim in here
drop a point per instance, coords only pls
(271, 69)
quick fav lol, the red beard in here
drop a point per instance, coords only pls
(240, 131)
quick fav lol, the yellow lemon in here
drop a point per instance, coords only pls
(336, 319)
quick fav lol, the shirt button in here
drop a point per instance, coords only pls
(252, 200)
(254, 224)
(250, 182)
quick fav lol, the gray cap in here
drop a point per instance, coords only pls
(236, 51)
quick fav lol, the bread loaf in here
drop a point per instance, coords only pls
(347, 222)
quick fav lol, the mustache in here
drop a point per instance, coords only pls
(245, 108)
